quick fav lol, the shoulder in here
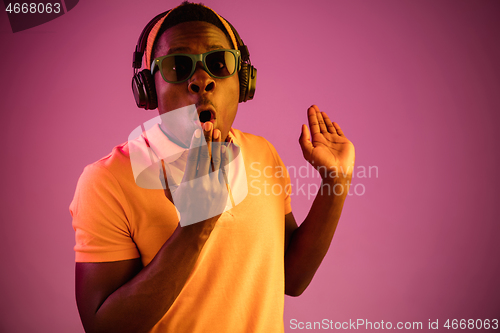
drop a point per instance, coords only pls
(115, 162)
(102, 183)
(255, 145)
(252, 142)
(115, 159)
(108, 172)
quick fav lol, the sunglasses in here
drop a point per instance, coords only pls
(177, 68)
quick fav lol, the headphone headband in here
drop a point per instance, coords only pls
(143, 39)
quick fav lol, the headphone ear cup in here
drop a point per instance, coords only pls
(143, 87)
(149, 87)
(252, 82)
(248, 79)
(243, 76)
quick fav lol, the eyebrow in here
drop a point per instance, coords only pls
(186, 49)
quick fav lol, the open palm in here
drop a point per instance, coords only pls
(326, 147)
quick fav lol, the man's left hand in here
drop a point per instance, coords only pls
(326, 148)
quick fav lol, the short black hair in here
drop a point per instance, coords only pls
(189, 12)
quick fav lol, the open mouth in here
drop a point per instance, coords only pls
(205, 116)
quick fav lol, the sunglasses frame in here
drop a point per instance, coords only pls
(157, 63)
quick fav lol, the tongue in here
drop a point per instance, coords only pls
(205, 116)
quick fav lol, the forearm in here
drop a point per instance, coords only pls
(309, 243)
(141, 302)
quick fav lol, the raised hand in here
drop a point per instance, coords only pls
(326, 147)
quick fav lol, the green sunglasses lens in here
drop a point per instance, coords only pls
(178, 68)
(221, 64)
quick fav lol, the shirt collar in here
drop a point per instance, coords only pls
(231, 138)
(167, 150)
(160, 144)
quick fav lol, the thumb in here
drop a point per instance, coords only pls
(305, 142)
(192, 158)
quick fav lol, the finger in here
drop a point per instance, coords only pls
(216, 147)
(223, 173)
(208, 132)
(166, 189)
(328, 123)
(205, 151)
(305, 142)
(193, 155)
(321, 122)
(223, 164)
(337, 128)
(313, 120)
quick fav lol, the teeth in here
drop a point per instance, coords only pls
(205, 116)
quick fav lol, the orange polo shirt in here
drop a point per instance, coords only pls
(237, 284)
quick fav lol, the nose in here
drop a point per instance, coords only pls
(201, 81)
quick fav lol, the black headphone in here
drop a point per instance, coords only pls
(143, 84)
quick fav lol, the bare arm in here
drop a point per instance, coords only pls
(332, 154)
(125, 297)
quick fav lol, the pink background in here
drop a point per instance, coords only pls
(414, 84)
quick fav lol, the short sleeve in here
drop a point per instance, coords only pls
(286, 178)
(101, 218)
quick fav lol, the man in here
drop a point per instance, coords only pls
(140, 270)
